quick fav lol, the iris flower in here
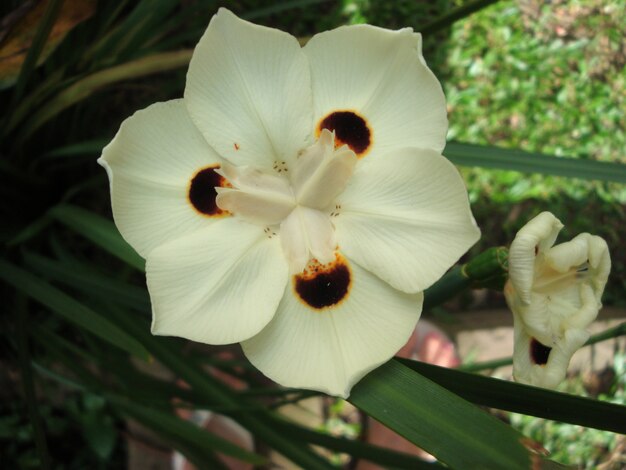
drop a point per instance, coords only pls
(295, 200)
(554, 293)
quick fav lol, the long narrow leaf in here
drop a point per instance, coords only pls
(69, 309)
(525, 399)
(99, 230)
(518, 160)
(453, 430)
(84, 88)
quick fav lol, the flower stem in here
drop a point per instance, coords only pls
(488, 269)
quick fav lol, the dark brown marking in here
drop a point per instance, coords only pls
(202, 191)
(539, 354)
(536, 250)
(324, 285)
(236, 146)
(350, 129)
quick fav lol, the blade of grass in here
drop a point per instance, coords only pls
(525, 399)
(89, 85)
(456, 432)
(36, 47)
(455, 15)
(90, 281)
(99, 230)
(358, 449)
(68, 308)
(525, 162)
(257, 422)
(28, 383)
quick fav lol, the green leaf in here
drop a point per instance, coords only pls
(258, 423)
(169, 425)
(525, 399)
(454, 15)
(89, 85)
(70, 309)
(88, 147)
(357, 449)
(99, 230)
(90, 281)
(453, 430)
(518, 160)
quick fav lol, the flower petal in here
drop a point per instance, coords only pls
(220, 285)
(321, 173)
(330, 348)
(248, 90)
(307, 233)
(259, 197)
(381, 77)
(151, 163)
(535, 237)
(406, 217)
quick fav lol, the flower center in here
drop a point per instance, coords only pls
(299, 201)
(550, 280)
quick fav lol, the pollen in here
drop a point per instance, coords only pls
(202, 191)
(321, 286)
(350, 129)
(539, 354)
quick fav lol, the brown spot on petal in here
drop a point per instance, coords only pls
(539, 354)
(324, 285)
(202, 191)
(350, 129)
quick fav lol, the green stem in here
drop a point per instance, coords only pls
(488, 269)
(456, 14)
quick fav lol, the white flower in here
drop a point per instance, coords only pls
(295, 200)
(554, 293)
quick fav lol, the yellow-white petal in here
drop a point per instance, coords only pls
(219, 285)
(548, 367)
(406, 217)
(381, 75)
(534, 238)
(150, 163)
(329, 349)
(321, 173)
(259, 197)
(248, 90)
(305, 234)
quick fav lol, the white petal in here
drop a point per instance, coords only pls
(150, 164)
(305, 234)
(553, 372)
(248, 90)
(534, 238)
(406, 217)
(321, 173)
(220, 285)
(333, 348)
(381, 75)
(259, 197)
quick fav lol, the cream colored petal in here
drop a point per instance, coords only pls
(258, 197)
(533, 239)
(306, 234)
(553, 372)
(248, 90)
(150, 164)
(219, 285)
(406, 217)
(331, 349)
(381, 75)
(321, 173)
